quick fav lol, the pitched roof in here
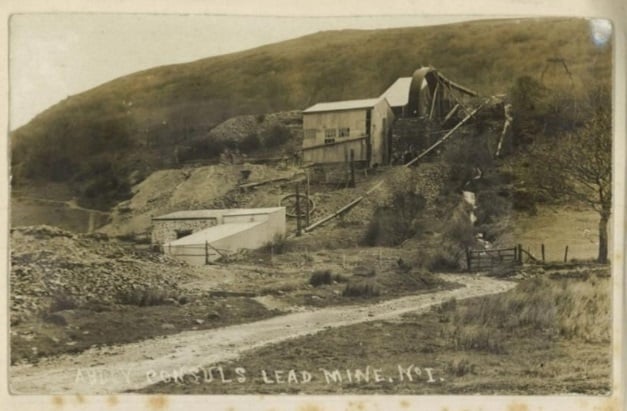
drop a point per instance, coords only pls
(342, 105)
(398, 93)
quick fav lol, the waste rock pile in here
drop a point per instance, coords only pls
(53, 269)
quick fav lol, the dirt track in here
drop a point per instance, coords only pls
(128, 367)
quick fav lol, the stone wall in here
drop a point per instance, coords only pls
(164, 231)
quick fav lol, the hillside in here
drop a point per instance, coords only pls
(97, 139)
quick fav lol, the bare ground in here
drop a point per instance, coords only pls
(138, 365)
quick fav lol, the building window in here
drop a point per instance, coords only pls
(329, 135)
(183, 233)
(310, 133)
(344, 132)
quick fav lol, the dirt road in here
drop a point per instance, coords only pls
(134, 366)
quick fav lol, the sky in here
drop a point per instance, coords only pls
(53, 56)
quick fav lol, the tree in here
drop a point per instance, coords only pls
(578, 166)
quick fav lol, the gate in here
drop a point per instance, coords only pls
(484, 260)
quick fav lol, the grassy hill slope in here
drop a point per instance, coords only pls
(96, 139)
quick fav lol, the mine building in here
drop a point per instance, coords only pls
(202, 236)
(334, 130)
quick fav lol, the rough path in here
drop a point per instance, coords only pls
(128, 367)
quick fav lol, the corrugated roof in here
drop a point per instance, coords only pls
(343, 105)
(214, 233)
(397, 94)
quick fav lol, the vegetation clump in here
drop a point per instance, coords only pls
(361, 288)
(565, 308)
(325, 277)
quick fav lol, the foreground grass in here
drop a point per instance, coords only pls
(546, 336)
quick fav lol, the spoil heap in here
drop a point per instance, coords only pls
(54, 269)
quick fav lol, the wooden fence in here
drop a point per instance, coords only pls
(485, 260)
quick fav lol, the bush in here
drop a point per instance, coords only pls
(275, 136)
(361, 289)
(443, 262)
(278, 245)
(491, 207)
(394, 221)
(464, 158)
(144, 297)
(524, 200)
(319, 278)
(322, 277)
(250, 143)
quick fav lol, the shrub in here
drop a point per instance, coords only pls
(491, 207)
(394, 221)
(319, 278)
(275, 136)
(464, 158)
(443, 261)
(144, 297)
(250, 143)
(278, 245)
(361, 289)
(524, 200)
(322, 277)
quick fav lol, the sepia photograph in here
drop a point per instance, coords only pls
(226, 205)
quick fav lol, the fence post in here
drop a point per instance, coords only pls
(566, 254)
(298, 216)
(520, 253)
(206, 252)
(307, 200)
(352, 166)
(468, 259)
(543, 252)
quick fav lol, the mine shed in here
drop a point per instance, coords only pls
(212, 234)
(332, 131)
(365, 128)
